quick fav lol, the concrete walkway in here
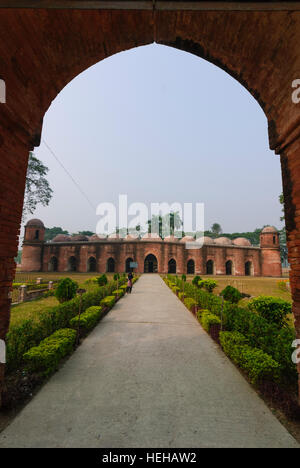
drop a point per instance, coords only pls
(147, 376)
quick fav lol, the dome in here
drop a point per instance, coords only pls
(131, 237)
(151, 237)
(223, 241)
(187, 239)
(97, 238)
(171, 239)
(61, 238)
(79, 238)
(35, 223)
(206, 240)
(241, 241)
(269, 229)
(114, 237)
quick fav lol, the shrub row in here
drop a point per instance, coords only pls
(258, 365)
(28, 333)
(108, 301)
(263, 323)
(88, 319)
(45, 357)
(207, 320)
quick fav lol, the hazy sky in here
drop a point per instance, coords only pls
(159, 124)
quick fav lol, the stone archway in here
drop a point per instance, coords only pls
(66, 42)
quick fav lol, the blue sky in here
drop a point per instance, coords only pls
(159, 124)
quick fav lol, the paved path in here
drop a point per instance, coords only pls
(147, 376)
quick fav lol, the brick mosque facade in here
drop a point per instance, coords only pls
(220, 256)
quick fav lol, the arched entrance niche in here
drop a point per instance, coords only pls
(210, 267)
(172, 266)
(229, 267)
(127, 265)
(72, 264)
(150, 264)
(190, 267)
(110, 265)
(92, 264)
(53, 264)
(248, 268)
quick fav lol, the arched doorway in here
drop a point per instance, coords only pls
(150, 264)
(229, 267)
(53, 264)
(248, 268)
(172, 266)
(190, 268)
(110, 265)
(209, 267)
(72, 264)
(92, 264)
(127, 265)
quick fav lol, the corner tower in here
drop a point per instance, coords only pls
(33, 245)
(270, 252)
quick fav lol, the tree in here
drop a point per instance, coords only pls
(216, 229)
(50, 233)
(37, 189)
(85, 233)
(173, 221)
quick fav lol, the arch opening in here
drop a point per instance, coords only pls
(209, 267)
(110, 265)
(92, 264)
(150, 264)
(172, 266)
(229, 267)
(190, 268)
(128, 269)
(53, 264)
(72, 264)
(248, 268)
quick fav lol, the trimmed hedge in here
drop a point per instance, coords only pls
(108, 301)
(118, 292)
(88, 319)
(45, 357)
(258, 365)
(28, 333)
(262, 334)
(189, 302)
(208, 319)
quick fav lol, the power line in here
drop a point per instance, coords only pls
(71, 177)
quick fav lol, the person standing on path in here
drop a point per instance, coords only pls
(129, 282)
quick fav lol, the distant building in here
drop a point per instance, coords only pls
(221, 256)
